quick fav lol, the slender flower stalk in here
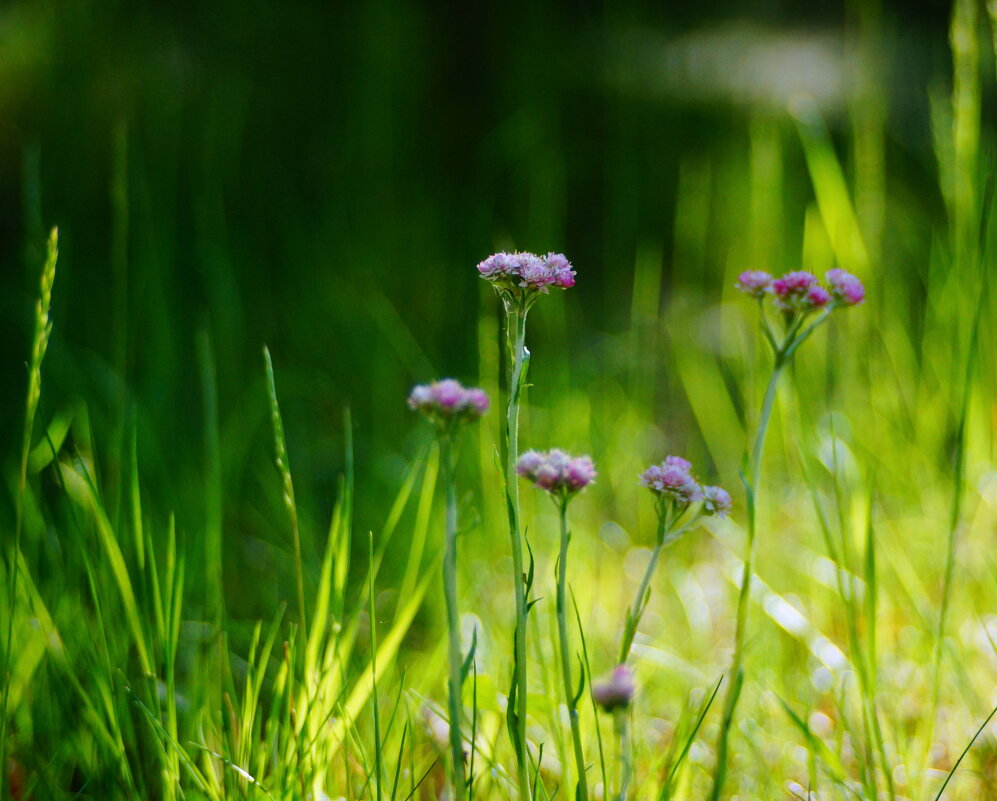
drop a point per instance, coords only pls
(516, 331)
(676, 492)
(565, 648)
(455, 661)
(562, 477)
(520, 279)
(803, 304)
(621, 725)
(449, 405)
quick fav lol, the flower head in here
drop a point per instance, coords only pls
(754, 282)
(448, 401)
(616, 690)
(672, 479)
(526, 273)
(556, 471)
(797, 295)
(716, 501)
(845, 287)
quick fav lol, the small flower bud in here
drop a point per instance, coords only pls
(579, 473)
(499, 265)
(817, 297)
(845, 287)
(560, 268)
(679, 463)
(794, 285)
(529, 463)
(754, 282)
(615, 691)
(716, 501)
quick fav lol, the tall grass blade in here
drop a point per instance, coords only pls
(962, 756)
(280, 447)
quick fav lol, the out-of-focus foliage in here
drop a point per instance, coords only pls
(322, 178)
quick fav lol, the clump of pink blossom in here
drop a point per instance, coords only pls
(448, 401)
(800, 291)
(557, 472)
(527, 271)
(615, 691)
(673, 480)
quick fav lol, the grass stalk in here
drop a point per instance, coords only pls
(453, 619)
(42, 332)
(571, 697)
(751, 482)
(280, 446)
(373, 671)
(621, 725)
(640, 600)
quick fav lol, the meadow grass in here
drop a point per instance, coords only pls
(867, 660)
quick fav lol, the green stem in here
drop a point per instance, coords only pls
(621, 724)
(516, 335)
(763, 421)
(735, 676)
(630, 631)
(453, 618)
(562, 629)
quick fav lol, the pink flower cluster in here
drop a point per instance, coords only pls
(801, 291)
(615, 691)
(673, 479)
(528, 270)
(556, 471)
(448, 400)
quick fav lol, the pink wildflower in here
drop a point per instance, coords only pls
(514, 272)
(556, 471)
(679, 462)
(615, 691)
(447, 400)
(672, 478)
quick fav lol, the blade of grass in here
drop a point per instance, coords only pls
(962, 756)
(39, 346)
(280, 447)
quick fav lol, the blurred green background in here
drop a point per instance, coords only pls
(323, 178)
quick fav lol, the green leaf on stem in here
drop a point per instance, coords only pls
(469, 660)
